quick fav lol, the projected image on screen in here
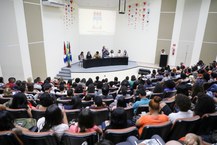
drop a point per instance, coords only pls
(96, 22)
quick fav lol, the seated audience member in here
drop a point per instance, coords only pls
(105, 92)
(30, 88)
(78, 90)
(45, 100)
(91, 89)
(204, 105)
(169, 86)
(132, 80)
(116, 82)
(85, 123)
(2, 84)
(121, 102)
(55, 120)
(196, 89)
(37, 84)
(212, 92)
(68, 96)
(166, 77)
(189, 139)
(124, 91)
(98, 103)
(88, 56)
(19, 101)
(119, 119)
(143, 99)
(105, 52)
(119, 53)
(89, 81)
(11, 82)
(69, 84)
(74, 104)
(153, 117)
(99, 88)
(96, 81)
(125, 53)
(96, 55)
(104, 142)
(62, 91)
(83, 83)
(184, 104)
(81, 56)
(7, 122)
(112, 53)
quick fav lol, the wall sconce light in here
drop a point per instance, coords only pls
(122, 6)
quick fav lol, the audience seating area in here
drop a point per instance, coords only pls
(199, 125)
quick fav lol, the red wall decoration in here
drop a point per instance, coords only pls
(69, 13)
(138, 15)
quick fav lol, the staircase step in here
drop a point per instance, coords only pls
(64, 75)
(65, 78)
(66, 69)
(64, 72)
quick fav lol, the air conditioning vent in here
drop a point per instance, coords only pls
(53, 3)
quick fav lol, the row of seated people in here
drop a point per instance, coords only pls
(152, 118)
(182, 86)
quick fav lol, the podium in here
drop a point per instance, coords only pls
(163, 60)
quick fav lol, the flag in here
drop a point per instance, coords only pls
(65, 54)
(70, 55)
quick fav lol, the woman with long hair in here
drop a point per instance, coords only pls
(55, 119)
(85, 123)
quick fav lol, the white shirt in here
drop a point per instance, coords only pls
(58, 129)
(163, 53)
(180, 114)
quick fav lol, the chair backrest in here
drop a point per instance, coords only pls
(142, 108)
(161, 129)
(18, 113)
(120, 135)
(39, 138)
(151, 96)
(207, 124)
(169, 94)
(36, 114)
(100, 115)
(64, 102)
(72, 114)
(9, 138)
(1, 91)
(128, 99)
(89, 138)
(130, 113)
(183, 126)
(114, 94)
(86, 103)
(170, 103)
(4, 99)
(108, 101)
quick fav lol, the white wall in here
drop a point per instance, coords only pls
(22, 36)
(55, 33)
(200, 31)
(140, 44)
(188, 31)
(10, 55)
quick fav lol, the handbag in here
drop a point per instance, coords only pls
(25, 122)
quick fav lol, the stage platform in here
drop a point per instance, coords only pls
(77, 68)
(121, 71)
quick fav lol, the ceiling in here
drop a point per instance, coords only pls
(102, 4)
